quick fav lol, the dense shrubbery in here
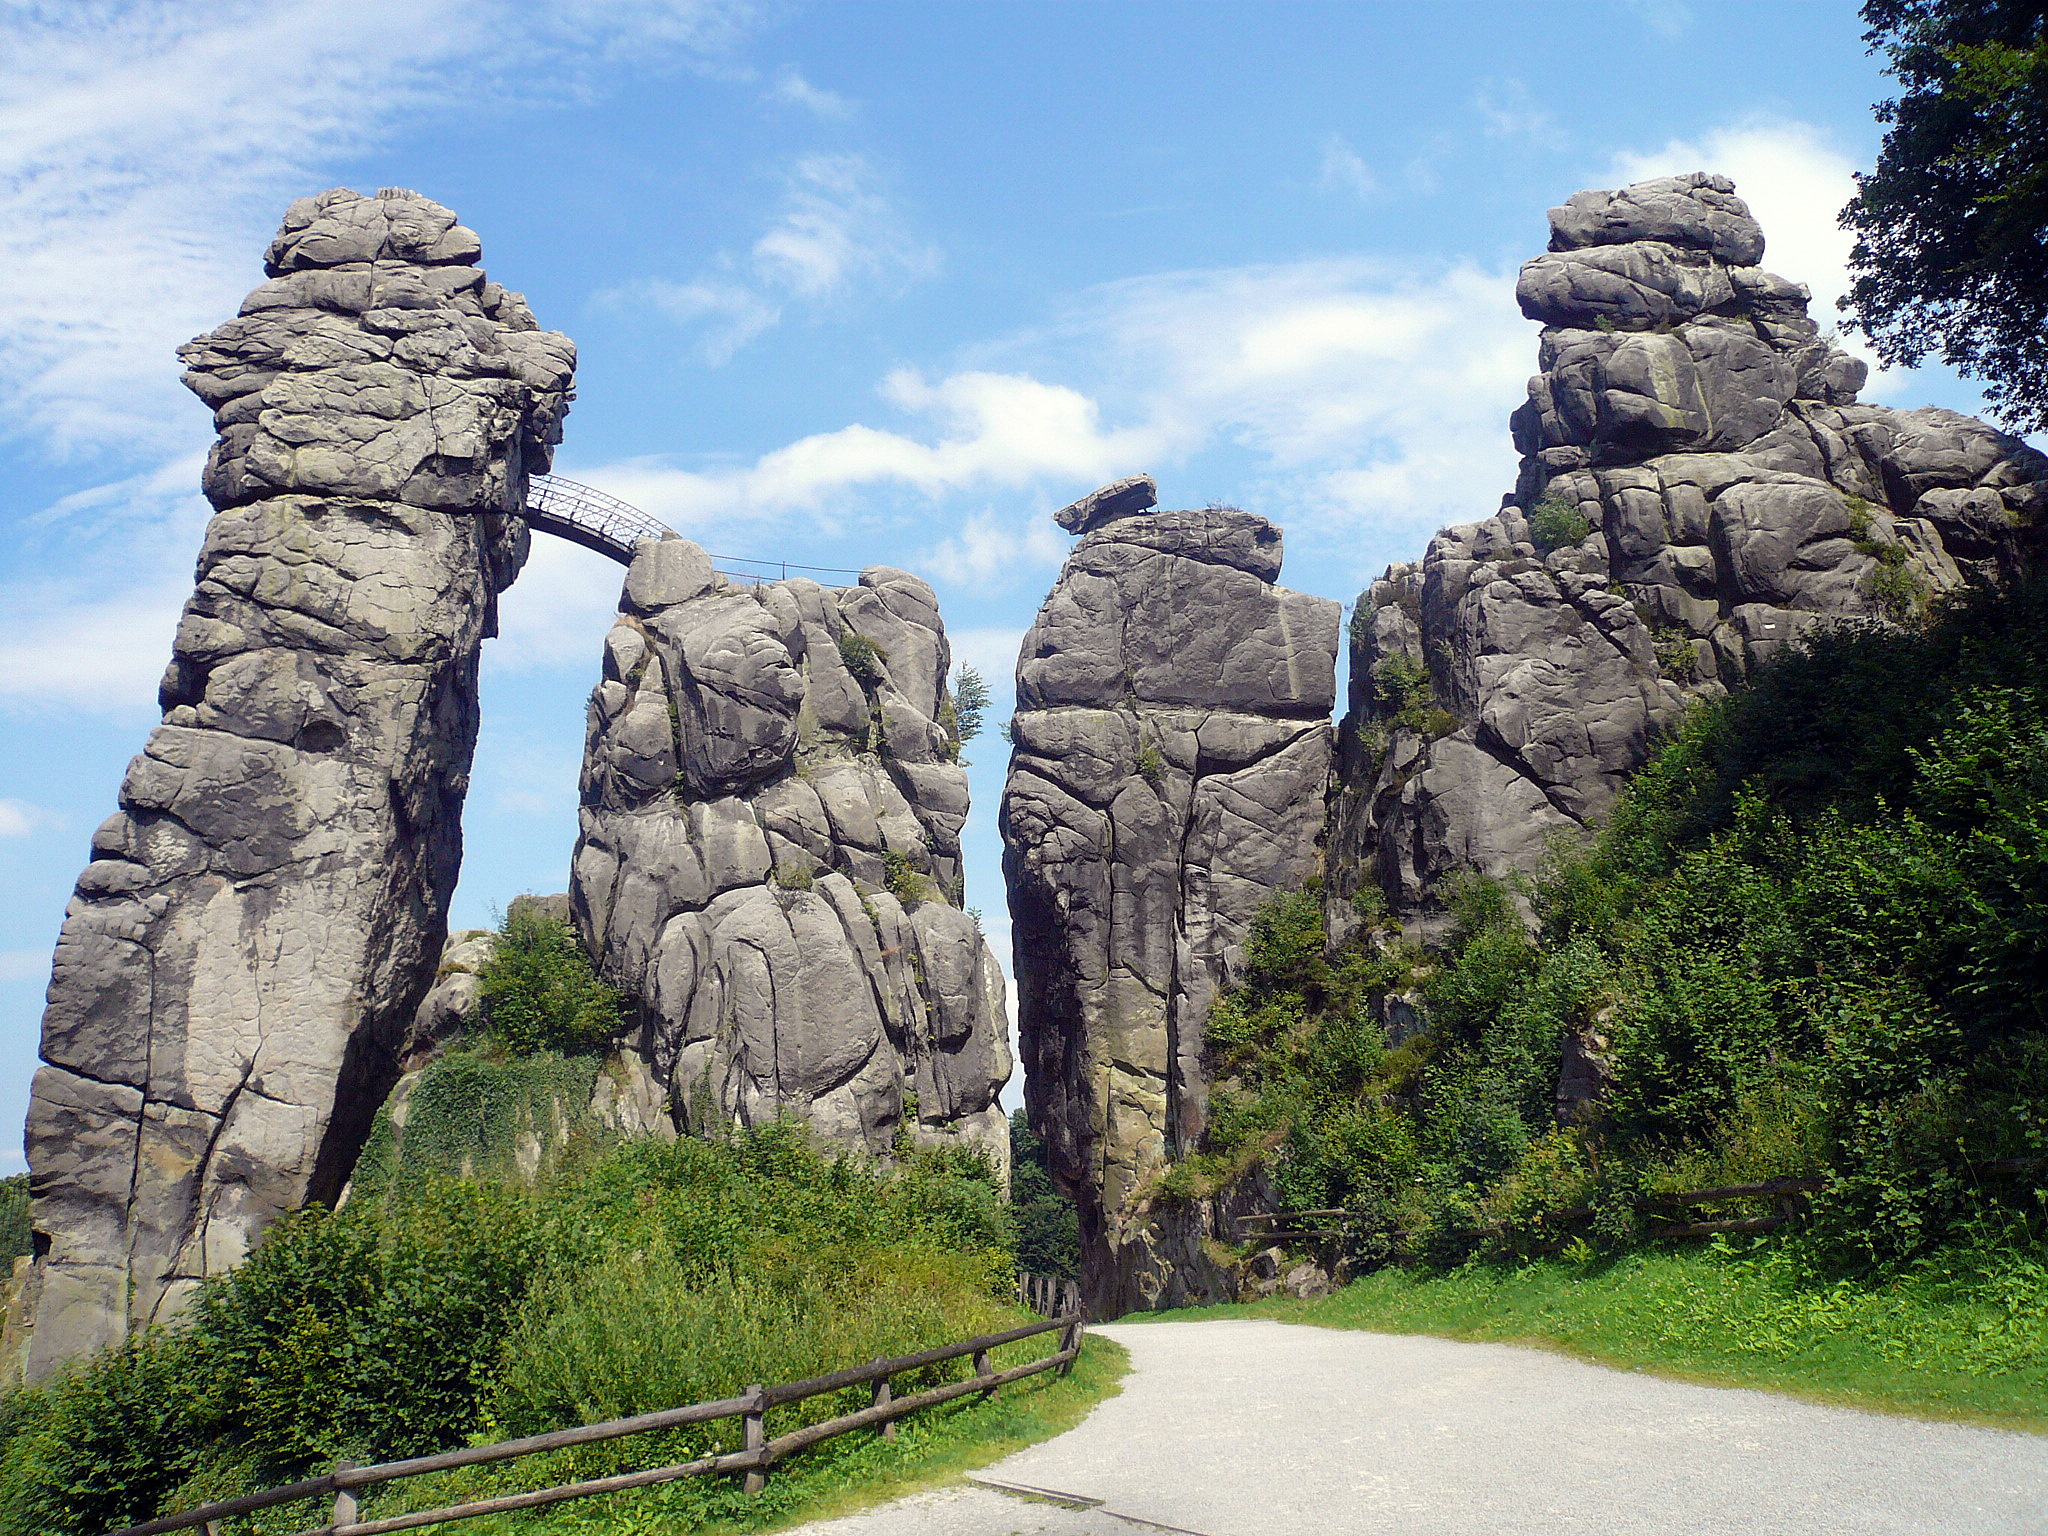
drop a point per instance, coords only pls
(1812, 941)
(654, 1274)
(539, 991)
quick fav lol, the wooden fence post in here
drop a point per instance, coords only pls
(345, 1500)
(757, 1435)
(983, 1368)
(882, 1401)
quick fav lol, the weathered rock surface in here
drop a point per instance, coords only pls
(1120, 498)
(1172, 743)
(241, 965)
(769, 866)
(1732, 492)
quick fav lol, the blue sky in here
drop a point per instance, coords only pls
(852, 284)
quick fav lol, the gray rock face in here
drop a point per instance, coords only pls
(239, 970)
(769, 866)
(1697, 487)
(1172, 744)
(1120, 498)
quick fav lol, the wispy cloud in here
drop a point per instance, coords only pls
(1511, 111)
(990, 552)
(1366, 396)
(794, 90)
(836, 228)
(18, 818)
(1666, 18)
(146, 149)
(24, 964)
(836, 234)
(1344, 170)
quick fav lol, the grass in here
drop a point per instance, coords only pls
(1962, 1337)
(854, 1471)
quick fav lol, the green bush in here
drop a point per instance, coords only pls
(406, 1323)
(15, 1236)
(864, 659)
(1401, 684)
(539, 991)
(1557, 524)
(1810, 939)
(904, 880)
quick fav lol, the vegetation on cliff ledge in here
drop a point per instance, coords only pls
(1811, 943)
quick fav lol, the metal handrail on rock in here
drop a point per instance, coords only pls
(584, 515)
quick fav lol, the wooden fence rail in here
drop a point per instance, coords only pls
(1048, 1295)
(759, 1454)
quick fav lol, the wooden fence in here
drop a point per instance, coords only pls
(347, 1482)
(1048, 1295)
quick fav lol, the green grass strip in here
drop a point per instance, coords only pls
(1963, 1336)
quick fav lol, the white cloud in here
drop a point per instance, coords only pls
(1344, 170)
(1666, 18)
(24, 964)
(1795, 180)
(67, 649)
(837, 228)
(558, 611)
(993, 653)
(990, 552)
(18, 818)
(983, 428)
(793, 89)
(1367, 396)
(147, 149)
(836, 234)
(734, 315)
(1511, 111)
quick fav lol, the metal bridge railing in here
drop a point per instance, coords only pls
(584, 515)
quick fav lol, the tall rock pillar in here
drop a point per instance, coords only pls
(1172, 747)
(769, 866)
(261, 917)
(1698, 487)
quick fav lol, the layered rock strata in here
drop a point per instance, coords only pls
(1698, 486)
(241, 964)
(1172, 743)
(769, 866)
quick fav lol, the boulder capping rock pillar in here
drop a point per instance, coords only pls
(241, 961)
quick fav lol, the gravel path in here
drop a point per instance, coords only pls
(1247, 1428)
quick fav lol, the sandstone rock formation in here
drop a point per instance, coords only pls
(769, 866)
(1698, 486)
(240, 966)
(1172, 743)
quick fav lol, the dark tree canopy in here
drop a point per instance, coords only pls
(1951, 250)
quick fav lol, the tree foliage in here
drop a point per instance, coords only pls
(539, 991)
(1951, 251)
(970, 703)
